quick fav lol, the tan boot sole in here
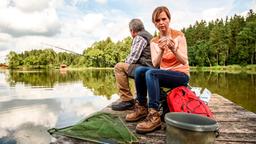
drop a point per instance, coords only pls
(137, 119)
(143, 131)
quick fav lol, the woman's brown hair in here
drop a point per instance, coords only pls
(157, 12)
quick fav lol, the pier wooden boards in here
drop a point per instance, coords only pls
(236, 125)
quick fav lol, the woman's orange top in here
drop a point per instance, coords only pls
(168, 60)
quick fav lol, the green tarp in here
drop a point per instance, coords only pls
(100, 127)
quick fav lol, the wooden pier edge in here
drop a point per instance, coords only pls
(236, 124)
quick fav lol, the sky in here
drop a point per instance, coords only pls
(77, 24)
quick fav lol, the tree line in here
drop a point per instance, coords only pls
(216, 43)
(222, 42)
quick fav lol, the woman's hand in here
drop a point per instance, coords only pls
(162, 43)
(167, 42)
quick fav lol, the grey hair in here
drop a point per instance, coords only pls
(136, 25)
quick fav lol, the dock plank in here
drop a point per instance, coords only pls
(236, 125)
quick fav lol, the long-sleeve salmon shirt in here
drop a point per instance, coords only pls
(167, 59)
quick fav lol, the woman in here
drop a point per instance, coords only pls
(169, 52)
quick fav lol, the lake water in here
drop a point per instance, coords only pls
(33, 101)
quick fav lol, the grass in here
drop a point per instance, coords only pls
(229, 69)
(85, 68)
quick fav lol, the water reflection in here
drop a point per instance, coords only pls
(27, 133)
(239, 88)
(31, 102)
(101, 82)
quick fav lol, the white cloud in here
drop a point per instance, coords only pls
(76, 44)
(77, 2)
(76, 24)
(44, 93)
(214, 13)
(3, 133)
(115, 25)
(50, 107)
(5, 42)
(30, 134)
(90, 22)
(101, 1)
(4, 3)
(4, 37)
(31, 5)
(18, 23)
(26, 114)
(254, 5)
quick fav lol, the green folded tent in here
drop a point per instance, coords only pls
(100, 128)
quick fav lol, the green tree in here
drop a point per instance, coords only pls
(246, 43)
(13, 59)
(234, 26)
(218, 44)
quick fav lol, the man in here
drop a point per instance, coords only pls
(139, 56)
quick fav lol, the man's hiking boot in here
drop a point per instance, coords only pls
(151, 123)
(138, 113)
(123, 105)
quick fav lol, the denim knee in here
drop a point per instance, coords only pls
(139, 71)
(149, 73)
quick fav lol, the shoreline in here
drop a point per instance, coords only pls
(250, 69)
(236, 69)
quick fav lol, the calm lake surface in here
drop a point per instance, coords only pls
(32, 102)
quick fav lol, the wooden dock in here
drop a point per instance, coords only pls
(237, 125)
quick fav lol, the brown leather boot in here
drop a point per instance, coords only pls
(138, 113)
(151, 123)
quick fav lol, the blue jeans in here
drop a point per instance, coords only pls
(150, 80)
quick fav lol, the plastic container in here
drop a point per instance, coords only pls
(185, 128)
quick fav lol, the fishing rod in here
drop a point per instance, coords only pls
(61, 48)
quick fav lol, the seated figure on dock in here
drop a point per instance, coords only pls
(169, 51)
(140, 55)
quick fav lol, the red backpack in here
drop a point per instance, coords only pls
(182, 99)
